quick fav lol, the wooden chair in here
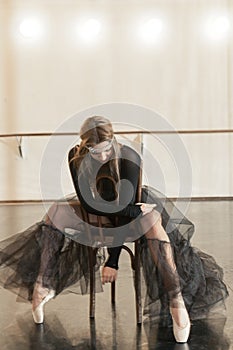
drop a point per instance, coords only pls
(135, 263)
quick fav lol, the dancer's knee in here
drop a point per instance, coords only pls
(157, 231)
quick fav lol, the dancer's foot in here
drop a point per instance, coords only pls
(181, 322)
(40, 296)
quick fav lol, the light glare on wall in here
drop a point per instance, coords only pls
(218, 27)
(90, 29)
(30, 28)
(151, 30)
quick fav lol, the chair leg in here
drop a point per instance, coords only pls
(91, 254)
(138, 283)
(113, 292)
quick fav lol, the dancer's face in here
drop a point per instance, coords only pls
(102, 151)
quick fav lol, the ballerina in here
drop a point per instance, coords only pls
(105, 175)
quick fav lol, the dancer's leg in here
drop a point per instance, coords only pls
(45, 285)
(61, 215)
(39, 293)
(162, 254)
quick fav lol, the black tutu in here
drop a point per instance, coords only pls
(63, 262)
(200, 277)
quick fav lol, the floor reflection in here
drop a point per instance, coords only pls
(43, 337)
(209, 334)
(205, 334)
(24, 335)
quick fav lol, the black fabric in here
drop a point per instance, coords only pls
(129, 164)
(114, 254)
(129, 171)
(200, 277)
(64, 266)
(44, 250)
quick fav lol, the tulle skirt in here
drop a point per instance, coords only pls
(53, 249)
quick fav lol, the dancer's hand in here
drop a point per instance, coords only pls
(146, 207)
(108, 274)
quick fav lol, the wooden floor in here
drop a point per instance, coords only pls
(67, 325)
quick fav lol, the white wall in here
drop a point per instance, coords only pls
(184, 77)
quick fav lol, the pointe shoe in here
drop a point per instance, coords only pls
(181, 334)
(38, 313)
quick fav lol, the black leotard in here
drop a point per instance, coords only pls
(125, 208)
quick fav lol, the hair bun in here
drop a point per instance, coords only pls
(92, 123)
